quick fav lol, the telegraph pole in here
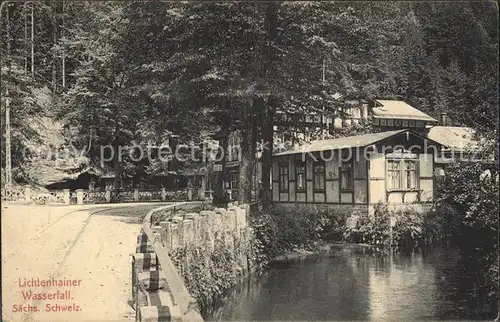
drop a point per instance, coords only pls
(32, 41)
(8, 157)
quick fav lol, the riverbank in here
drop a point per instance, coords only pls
(320, 248)
(345, 284)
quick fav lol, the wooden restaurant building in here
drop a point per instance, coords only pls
(352, 174)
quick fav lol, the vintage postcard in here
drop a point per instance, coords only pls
(250, 160)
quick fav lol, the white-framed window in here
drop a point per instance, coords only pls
(319, 175)
(402, 173)
(300, 175)
(283, 176)
(234, 180)
(233, 147)
(346, 175)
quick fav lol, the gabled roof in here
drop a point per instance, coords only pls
(399, 110)
(357, 141)
(454, 137)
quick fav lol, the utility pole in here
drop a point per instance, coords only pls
(32, 41)
(63, 50)
(323, 119)
(8, 157)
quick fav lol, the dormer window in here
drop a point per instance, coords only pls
(390, 114)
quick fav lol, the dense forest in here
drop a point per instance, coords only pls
(117, 73)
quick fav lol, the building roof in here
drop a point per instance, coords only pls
(399, 110)
(356, 141)
(454, 137)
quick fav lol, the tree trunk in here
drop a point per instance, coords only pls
(54, 56)
(25, 52)
(174, 164)
(267, 70)
(253, 151)
(267, 152)
(247, 148)
(116, 167)
(218, 186)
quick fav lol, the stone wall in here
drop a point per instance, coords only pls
(186, 254)
(212, 250)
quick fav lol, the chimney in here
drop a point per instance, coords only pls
(443, 118)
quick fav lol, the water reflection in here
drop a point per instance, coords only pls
(350, 285)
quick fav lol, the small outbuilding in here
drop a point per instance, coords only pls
(352, 174)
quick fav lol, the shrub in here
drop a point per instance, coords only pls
(329, 226)
(469, 199)
(407, 233)
(411, 232)
(207, 277)
(373, 230)
(277, 232)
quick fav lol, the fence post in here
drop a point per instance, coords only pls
(108, 196)
(27, 194)
(163, 194)
(66, 196)
(79, 196)
(136, 194)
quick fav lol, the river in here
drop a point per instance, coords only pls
(351, 284)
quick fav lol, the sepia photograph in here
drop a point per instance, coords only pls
(249, 160)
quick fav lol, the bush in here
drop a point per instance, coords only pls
(279, 232)
(207, 278)
(373, 230)
(469, 199)
(412, 230)
(329, 226)
(407, 233)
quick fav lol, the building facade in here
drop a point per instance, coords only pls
(353, 174)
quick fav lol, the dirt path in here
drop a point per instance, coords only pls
(87, 245)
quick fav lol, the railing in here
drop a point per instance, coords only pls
(81, 196)
(95, 197)
(13, 194)
(150, 195)
(123, 196)
(48, 197)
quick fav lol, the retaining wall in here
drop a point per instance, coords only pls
(159, 290)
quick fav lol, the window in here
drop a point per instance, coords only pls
(402, 174)
(283, 176)
(233, 146)
(234, 180)
(394, 174)
(410, 178)
(319, 176)
(346, 175)
(300, 175)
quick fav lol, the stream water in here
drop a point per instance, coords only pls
(351, 284)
